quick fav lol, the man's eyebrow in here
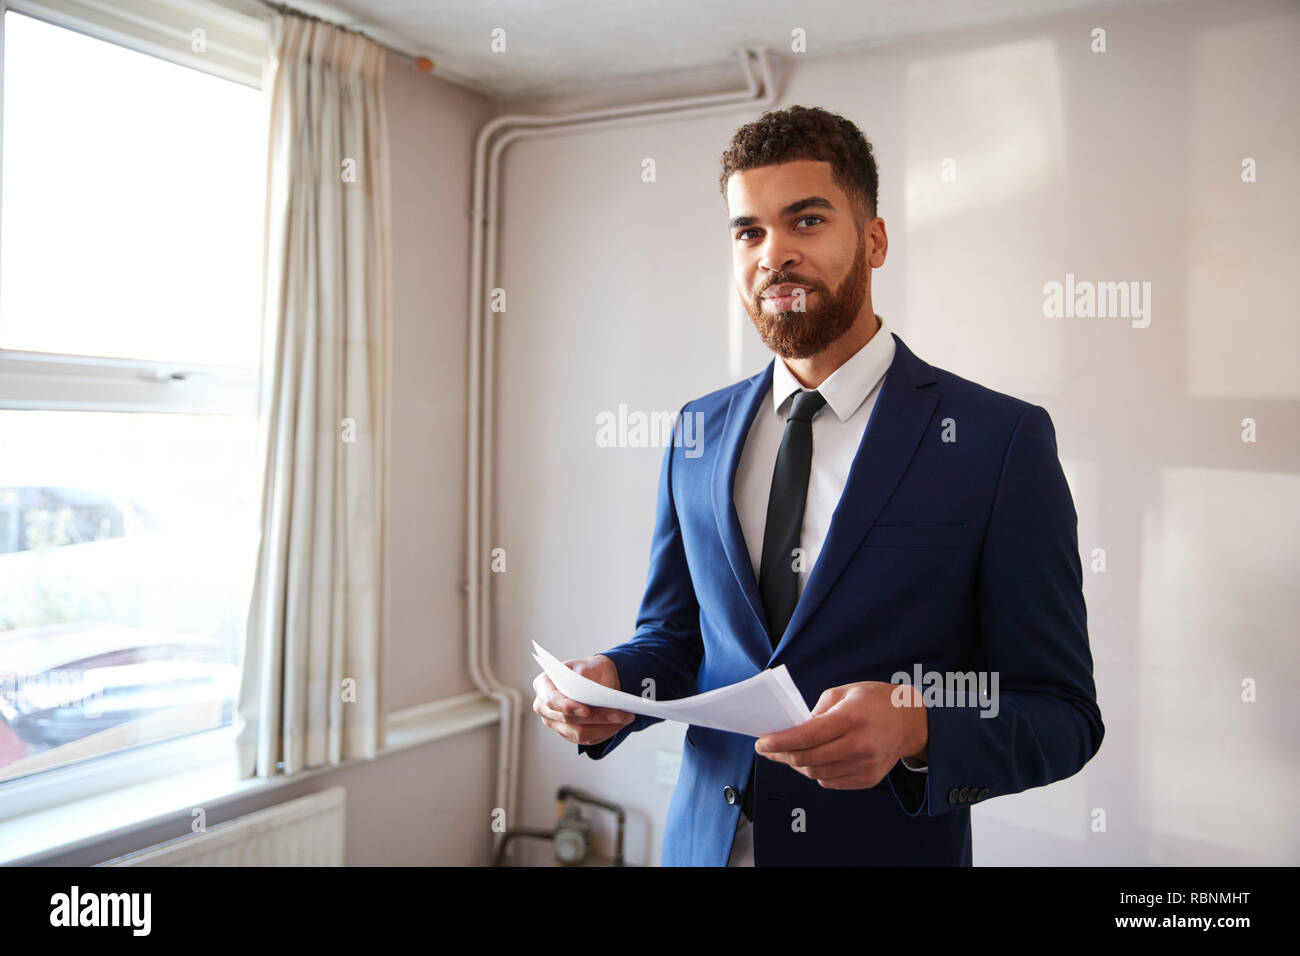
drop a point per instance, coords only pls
(811, 202)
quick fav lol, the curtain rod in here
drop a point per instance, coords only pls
(423, 63)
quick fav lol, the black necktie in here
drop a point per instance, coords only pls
(778, 580)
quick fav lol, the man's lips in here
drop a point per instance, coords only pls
(784, 303)
(785, 291)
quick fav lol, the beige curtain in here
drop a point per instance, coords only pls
(313, 656)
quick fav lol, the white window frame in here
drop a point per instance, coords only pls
(236, 32)
(45, 380)
(236, 48)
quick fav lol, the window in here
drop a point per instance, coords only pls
(132, 200)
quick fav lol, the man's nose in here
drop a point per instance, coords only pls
(777, 255)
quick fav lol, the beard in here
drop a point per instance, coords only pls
(792, 334)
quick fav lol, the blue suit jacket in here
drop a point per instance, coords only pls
(958, 555)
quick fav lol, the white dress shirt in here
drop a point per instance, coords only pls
(837, 429)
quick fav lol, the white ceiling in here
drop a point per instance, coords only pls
(555, 47)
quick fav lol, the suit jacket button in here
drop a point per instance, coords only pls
(953, 796)
(964, 795)
(729, 794)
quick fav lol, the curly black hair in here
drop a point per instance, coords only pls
(802, 132)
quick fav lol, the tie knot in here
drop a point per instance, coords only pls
(806, 405)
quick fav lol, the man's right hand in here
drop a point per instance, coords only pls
(575, 722)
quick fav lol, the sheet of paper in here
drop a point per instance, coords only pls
(764, 704)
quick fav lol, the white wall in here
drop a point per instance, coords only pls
(1116, 166)
(431, 130)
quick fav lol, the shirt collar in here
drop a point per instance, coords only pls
(848, 386)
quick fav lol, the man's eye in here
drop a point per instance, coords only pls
(744, 232)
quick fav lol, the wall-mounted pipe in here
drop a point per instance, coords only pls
(480, 438)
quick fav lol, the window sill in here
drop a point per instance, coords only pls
(27, 837)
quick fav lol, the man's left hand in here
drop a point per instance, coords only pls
(856, 735)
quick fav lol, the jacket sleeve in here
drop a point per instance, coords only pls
(1043, 723)
(666, 647)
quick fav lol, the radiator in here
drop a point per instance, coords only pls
(303, 832)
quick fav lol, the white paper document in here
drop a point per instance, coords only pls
(764, 704)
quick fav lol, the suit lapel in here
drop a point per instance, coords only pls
(893, 434)
(740, 415)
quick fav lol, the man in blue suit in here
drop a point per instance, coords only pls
(870, 521)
